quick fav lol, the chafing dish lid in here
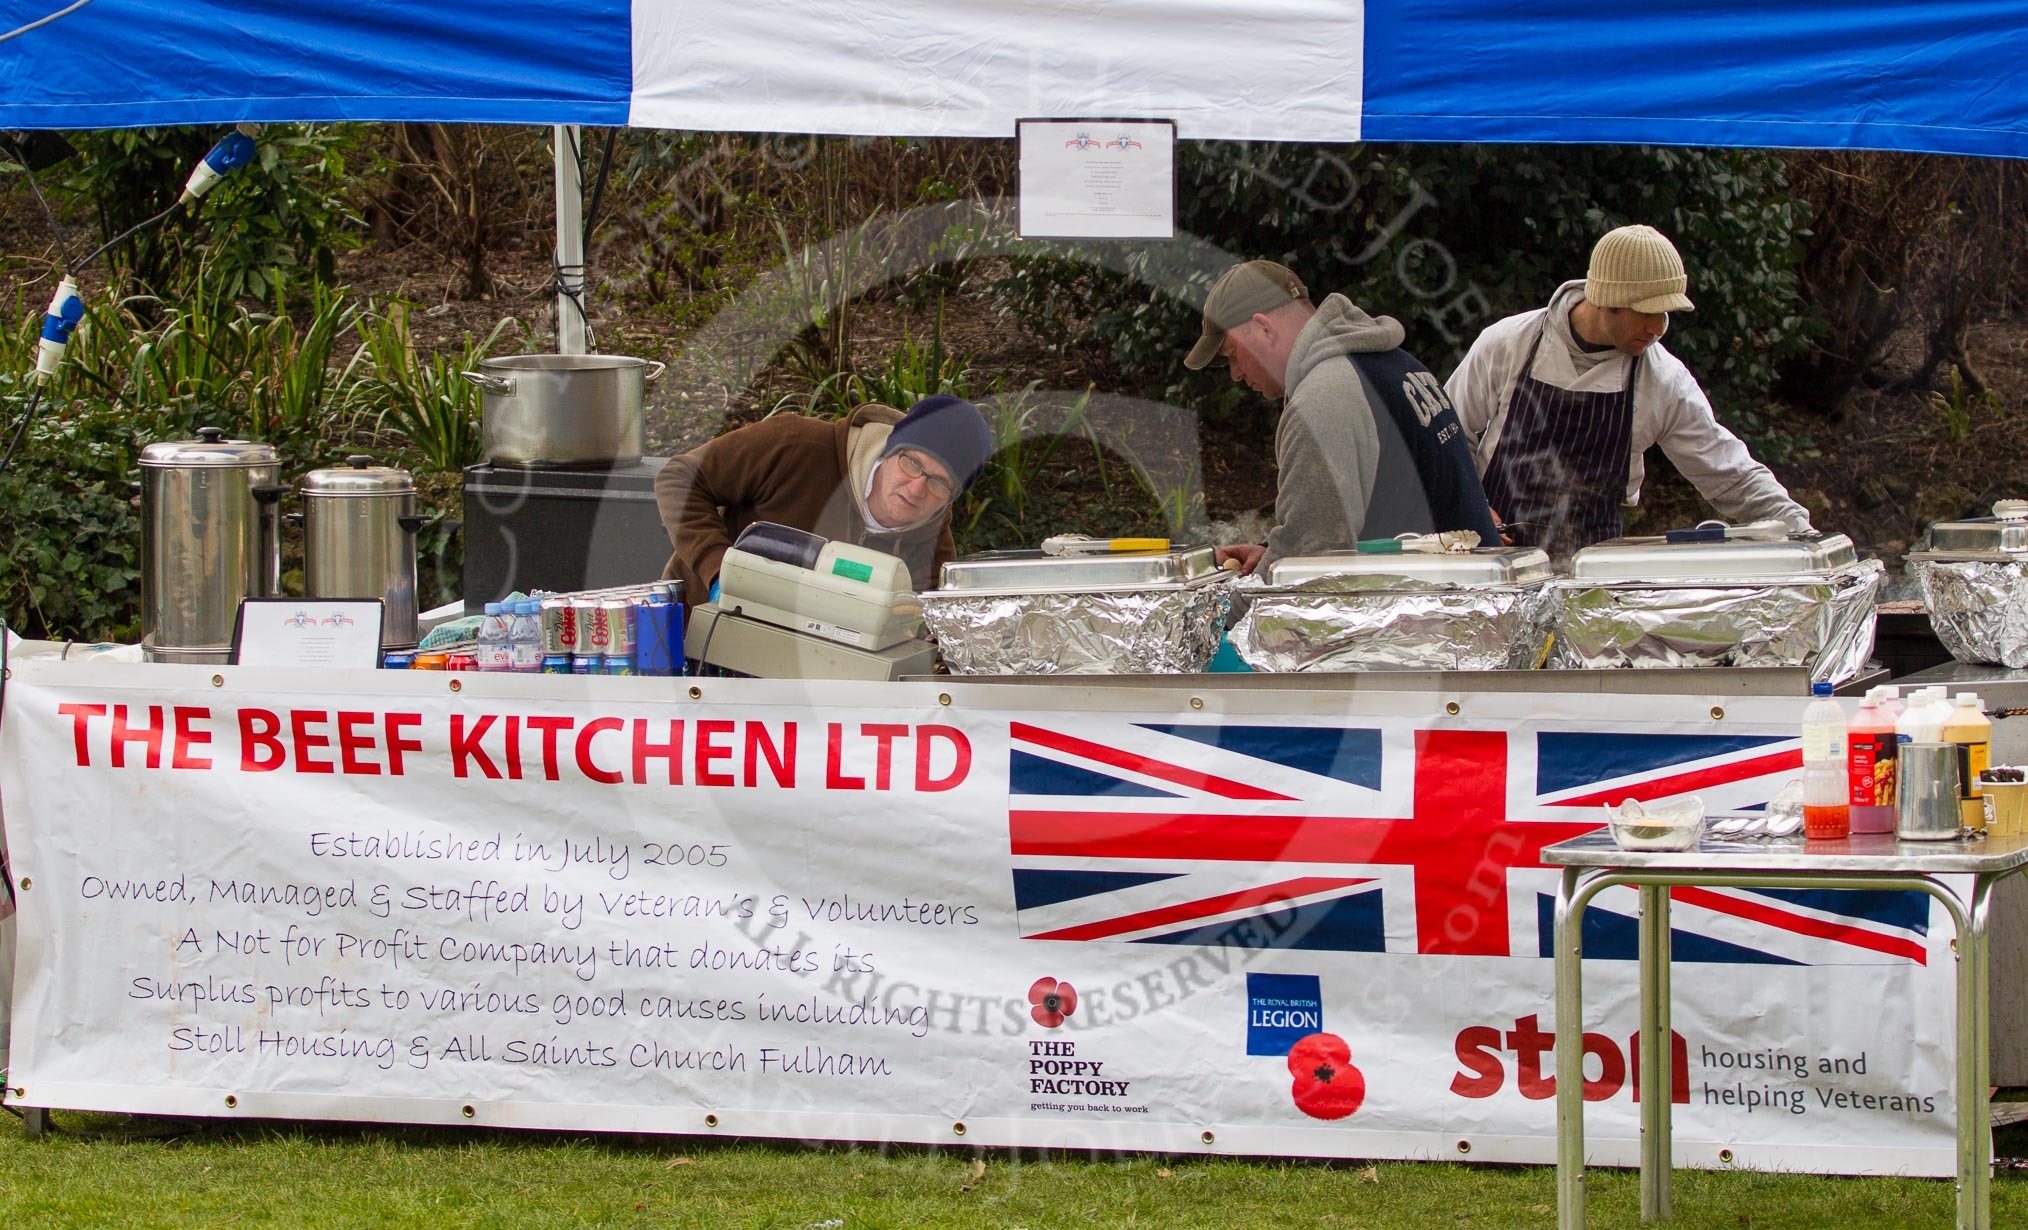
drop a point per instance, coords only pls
(1745, 560)
(2001, 536)
(1031, 571)
(1478, 567)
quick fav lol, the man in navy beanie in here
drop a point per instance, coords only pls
(878, 478)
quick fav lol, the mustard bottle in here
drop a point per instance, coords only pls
(1970, 728)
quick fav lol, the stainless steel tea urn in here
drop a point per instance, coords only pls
(208, 540)
(359, 526)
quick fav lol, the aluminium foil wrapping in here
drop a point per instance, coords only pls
(1153, 631)
(1979, 608)
(1367, 624)
(1821, 622)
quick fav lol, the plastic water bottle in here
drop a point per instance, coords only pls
(1827, 789)
(524, 638)
(494, 654)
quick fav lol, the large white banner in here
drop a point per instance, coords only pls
(1283, 70)
(1241, 921)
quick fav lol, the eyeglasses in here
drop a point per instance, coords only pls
(912, 467)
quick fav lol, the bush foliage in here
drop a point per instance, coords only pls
(276, 223)
(1446, 239)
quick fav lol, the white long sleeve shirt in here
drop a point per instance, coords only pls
(1670, 409)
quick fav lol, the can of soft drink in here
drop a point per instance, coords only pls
(619, 664)
(619, 617)
(587, 664)
(587, 633)
(555, 664)
(397, 661)
(429, 661)
(461, 662)
(559, 622)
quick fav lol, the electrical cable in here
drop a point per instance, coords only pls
(704, 650)
(561, 274)
(591, 216)
(39, 22)
(56, 233)
(34, 402)
(575, 296)
(116, 240)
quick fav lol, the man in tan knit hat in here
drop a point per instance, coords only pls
(1563, 401)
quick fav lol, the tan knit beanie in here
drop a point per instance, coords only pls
(1637, 267)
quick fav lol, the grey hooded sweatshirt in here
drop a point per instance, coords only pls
(1328, 442)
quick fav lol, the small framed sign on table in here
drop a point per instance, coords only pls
(307, 632)
(1097, 179)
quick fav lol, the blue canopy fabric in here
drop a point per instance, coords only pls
(1947, 76)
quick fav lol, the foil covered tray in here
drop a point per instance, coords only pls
(1486, 609)
(1979, 607)
(1027, 613)
(1822, 622)
(1033, 572)
(1657, 560)
(1973, 574)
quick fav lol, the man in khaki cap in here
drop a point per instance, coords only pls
(1367, 445)
(1563, 401)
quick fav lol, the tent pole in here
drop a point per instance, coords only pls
(570, 316)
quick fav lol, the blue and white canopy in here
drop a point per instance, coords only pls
(1937, 75)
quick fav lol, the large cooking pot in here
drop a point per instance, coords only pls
(208, 539)
(563, 409)
(359, 527)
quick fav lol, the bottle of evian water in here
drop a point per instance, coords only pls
(493, 652)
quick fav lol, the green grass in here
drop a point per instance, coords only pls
(106, 1170)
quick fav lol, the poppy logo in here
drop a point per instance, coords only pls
(1052, 1001)
(1327, 1086)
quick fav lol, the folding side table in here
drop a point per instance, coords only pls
(1864, 861)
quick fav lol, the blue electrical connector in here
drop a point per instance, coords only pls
(58, 323)
(232, 152)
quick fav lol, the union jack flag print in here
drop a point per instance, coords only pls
(1385, 838)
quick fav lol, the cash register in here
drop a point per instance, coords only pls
(793, 605)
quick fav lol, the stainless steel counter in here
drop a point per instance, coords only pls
(1719, 681)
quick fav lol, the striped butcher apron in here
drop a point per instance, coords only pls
(1559, 472)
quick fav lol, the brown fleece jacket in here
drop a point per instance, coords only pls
(790, 470)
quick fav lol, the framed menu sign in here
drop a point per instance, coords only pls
(307, 632)
(1097, 179)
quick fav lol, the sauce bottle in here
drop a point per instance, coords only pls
(1970, 728)
(1871, 743)
(1922, 721)
(1827, 790)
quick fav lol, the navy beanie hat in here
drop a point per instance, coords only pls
(949, 429)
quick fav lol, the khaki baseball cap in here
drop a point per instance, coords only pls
(1239, 293)
(1637, 267)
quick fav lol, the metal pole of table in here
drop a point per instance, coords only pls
(1975, 1116)
(1569, 1054)
(1574, 893)
(1656, 1074)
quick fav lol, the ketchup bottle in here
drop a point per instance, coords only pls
(1871, 742)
